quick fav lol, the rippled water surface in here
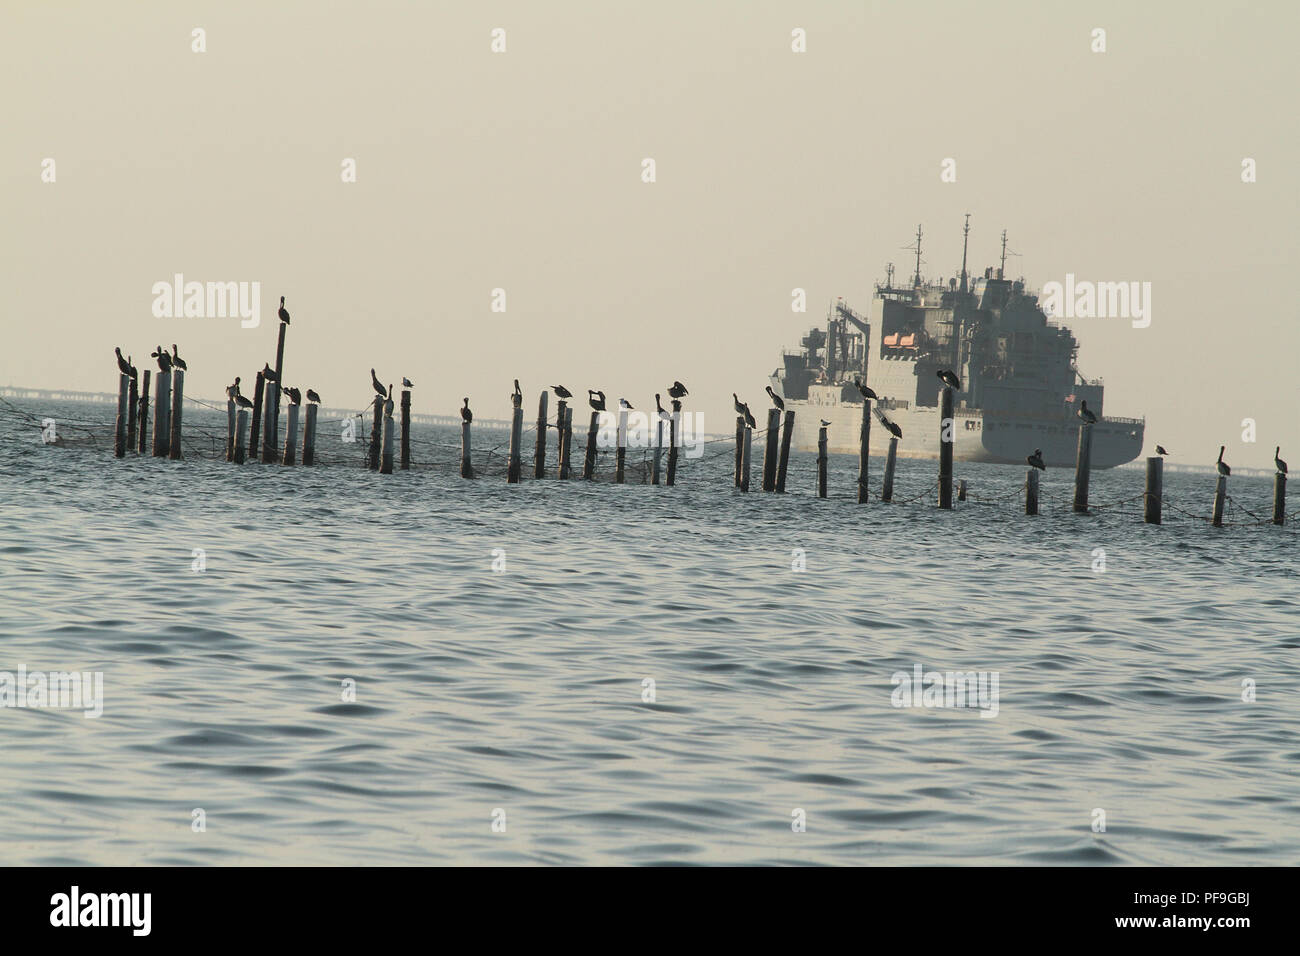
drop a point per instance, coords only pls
(1119, 690)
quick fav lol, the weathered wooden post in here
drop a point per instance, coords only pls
(740, 448)
(770, 452)
(659, 449)
(132, 409)
(785, 451)
(144, 414)
(620, 454)
(672, 441)
(566, 448)
(255, 431)
(466, 469)
(589, 462)
(1082, 465)
(1279, 498)
(375, 430)
(231, 422)
(162, 400)
(178, 404)
(887, 489)
(241, 428)
(1220, 497)
(119, 427)
(290, 435)
(1153, 494)
(273, 411)
(271, 421)
(386, 467)
(516, 436)
(561, 413)
(1031, 492)
(406, 429)
(864, 451)
(744, 459)
(539, 450)
(947, 429)
(309, 436)
(821, 462)
(961, 489)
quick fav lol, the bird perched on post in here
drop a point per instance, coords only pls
(176, 358)
(375, 384)
(889, 426)
(465, 414)
(164, 360)
(284, 313)
(625, 405)
(949, 379)
(388, 403)
(1160, 450)
(776, 399)
(743, 410)
(561, 392)
(518, 392)
(659, 407)
(825, 423)
(407, 383)
(232, 391)
(867, 394)
(243, 402)
(1036, 460)
(122, 364)
(677, 390)
(1278, 462)
(313, 397)
(295, 396)
(268, 373)
(596, 400)
(1224, 470)
(1086, 414)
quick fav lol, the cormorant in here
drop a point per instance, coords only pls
(1223, 467)
(1036, 460)
(561, 392)
(867, 393)
(1160, 450)
(891, 427)
(268, 373)
(313, 397)
(776, 399)
(517, 391)
(164, 360)
(465, 414)
(659, 406)
(295, 396)
(1085, 414)
(388, 404)
(1278, 462)
(677, 390)
(597, 402)
(949, 379)
(123, 365)
(374, 382)
(176, 358)
(284, 313)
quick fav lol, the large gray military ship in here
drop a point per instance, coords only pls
(1021, 384)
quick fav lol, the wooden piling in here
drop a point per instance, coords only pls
(271, 421)
(241, 428)
(1031, 492)
(672, 441)
(309, 436)
(273, 412)
(516, 436)
(1153, 493)
(174, 423)
(961, 489)
(386, 466)
(119, 427)
(162, 400)
(290, 436)
(785, 451)
(466, 469)
(539, 449)
(1279, 498)
(566, 446)
(620, 454)
(864, 453)
(740, 447)
(1082, 467)
(375, 431)
(589, 461)
(231, 421)
(947, 429)
(132, 409)
(406, 429)
(561, 413)
(1220, 498)
(744, 459)
(821, 462)
(659, 450)
(255, 430)
(144, 414)
(770, 452)
(887, 489)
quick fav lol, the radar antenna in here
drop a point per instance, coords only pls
(965, 235)
(916, 279)
(1002, 269)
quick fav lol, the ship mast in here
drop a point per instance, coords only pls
(916, 280)
(965, 234)
(1002, 270)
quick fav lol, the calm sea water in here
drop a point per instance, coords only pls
(520, 694)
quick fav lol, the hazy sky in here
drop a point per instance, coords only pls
(522, 171)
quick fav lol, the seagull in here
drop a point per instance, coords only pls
(123, 365)
(949, 379)
(164, 360)
(232, 391)
(677, 390)
(624, 404)
(407, 383)
(375, 384)
(268, 373)
(1160, 450)
(1278, 462)
(243, 402)
(1085, 414)
(1224, 470)
(825, 423)
(596, 400)
(1036, 460)
(465, 414)
(866, 391)
(561, 392)
(284, 313)
(295, 396)
(176, 358)
(313, 397)
(776, 399)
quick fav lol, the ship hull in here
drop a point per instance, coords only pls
(975, 437)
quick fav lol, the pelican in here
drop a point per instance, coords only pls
(677, 390)
(867, 393)
(164, 360)
(232, 391)
(295, 396)
(465, 414)
(407, 383)
(388, 404)
(313, 397)
(375, 383)
(1085, 414)
(268, 373)
(1160, 450)
(243, 402)
(284, 313)
(738, 405)
(744, 411)
(1224, 470)
(123, 365)
(561, 392)
(949, 379)
(1036, 460)
(176, 358)
(1278, 462)
(659, 407)
(596, 400)
(518, 393)
(776, 399)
